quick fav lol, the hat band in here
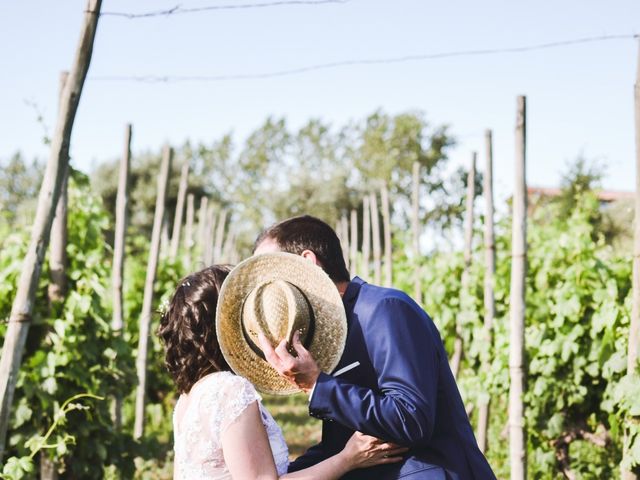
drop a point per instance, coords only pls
(307, 342)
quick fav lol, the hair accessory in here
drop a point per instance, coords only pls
(164, 306)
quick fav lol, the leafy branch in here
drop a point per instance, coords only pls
(18, 467)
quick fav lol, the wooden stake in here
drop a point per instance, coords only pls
(634, 327)
(177, 220)
(386, 218)
(210, 236)
(235, 256)
(415, 224)
(222, 224)
(375, 235)
(147, 302)
(202, 228)
(57, 287)
(344, 227)
(338, 230)
(366, 237)
(227, 249)
(354, 243)
(22, 307)
(188, 232)
(122, 207)
(465, 301)
(489, 298)
(164, 235)
(517, 440)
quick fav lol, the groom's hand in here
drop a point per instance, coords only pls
(302, 370)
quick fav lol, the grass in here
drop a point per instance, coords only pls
(292, 415)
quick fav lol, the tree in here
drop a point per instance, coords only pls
(385, 148)
(319, 169)
(19, 185)
(612, 221)
(580, 176)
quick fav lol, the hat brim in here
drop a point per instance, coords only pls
(330, 333)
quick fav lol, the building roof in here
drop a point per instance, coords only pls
(602, 195)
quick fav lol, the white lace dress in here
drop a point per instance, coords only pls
(200, 418)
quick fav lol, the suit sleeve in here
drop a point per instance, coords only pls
(403, 351)
(311, 457)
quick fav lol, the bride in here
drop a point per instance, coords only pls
(221, 429)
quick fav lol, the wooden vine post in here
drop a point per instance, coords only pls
(517, 436)
(484, 402)
(234, 256)
(386, 219)
(415, 227)
(164, 235)
(122, 208)
(634, 327)
(147, 302)
(466, 302)
(375, 236)
(177, 219)
(353, 242)
(228, 247)
(58, 249)
(203, 215)
(366, 238)
(344, 229)
(222, 223)
(22, 307)
(57, 287)
(188, 231)
(210, 234)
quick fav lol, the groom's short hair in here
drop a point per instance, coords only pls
(296, 234)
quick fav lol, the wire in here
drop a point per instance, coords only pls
(177, 10)
(345, 63)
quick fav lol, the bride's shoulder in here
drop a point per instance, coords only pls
(225, 383)
(223, 397)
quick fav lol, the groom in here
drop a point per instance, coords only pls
(393, 380)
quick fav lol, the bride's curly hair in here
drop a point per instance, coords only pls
(188, 329)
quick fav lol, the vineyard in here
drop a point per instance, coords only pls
(578, 399)
(535, 304)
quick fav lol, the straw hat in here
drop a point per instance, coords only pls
(277, 294)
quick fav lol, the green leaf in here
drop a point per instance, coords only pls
(615, 426)
(61, 449)
(26, 464)
(50, 385)
(17, 467)
(23, 413)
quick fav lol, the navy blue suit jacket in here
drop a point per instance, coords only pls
(402, 391)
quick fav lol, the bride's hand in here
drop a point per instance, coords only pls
(363, 451)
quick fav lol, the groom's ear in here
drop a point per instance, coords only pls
(311, 256)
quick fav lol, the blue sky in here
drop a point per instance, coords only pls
(580, 98)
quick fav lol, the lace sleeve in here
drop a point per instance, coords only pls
(232, 395)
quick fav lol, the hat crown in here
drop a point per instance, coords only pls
(277, 294)
(276, 308)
